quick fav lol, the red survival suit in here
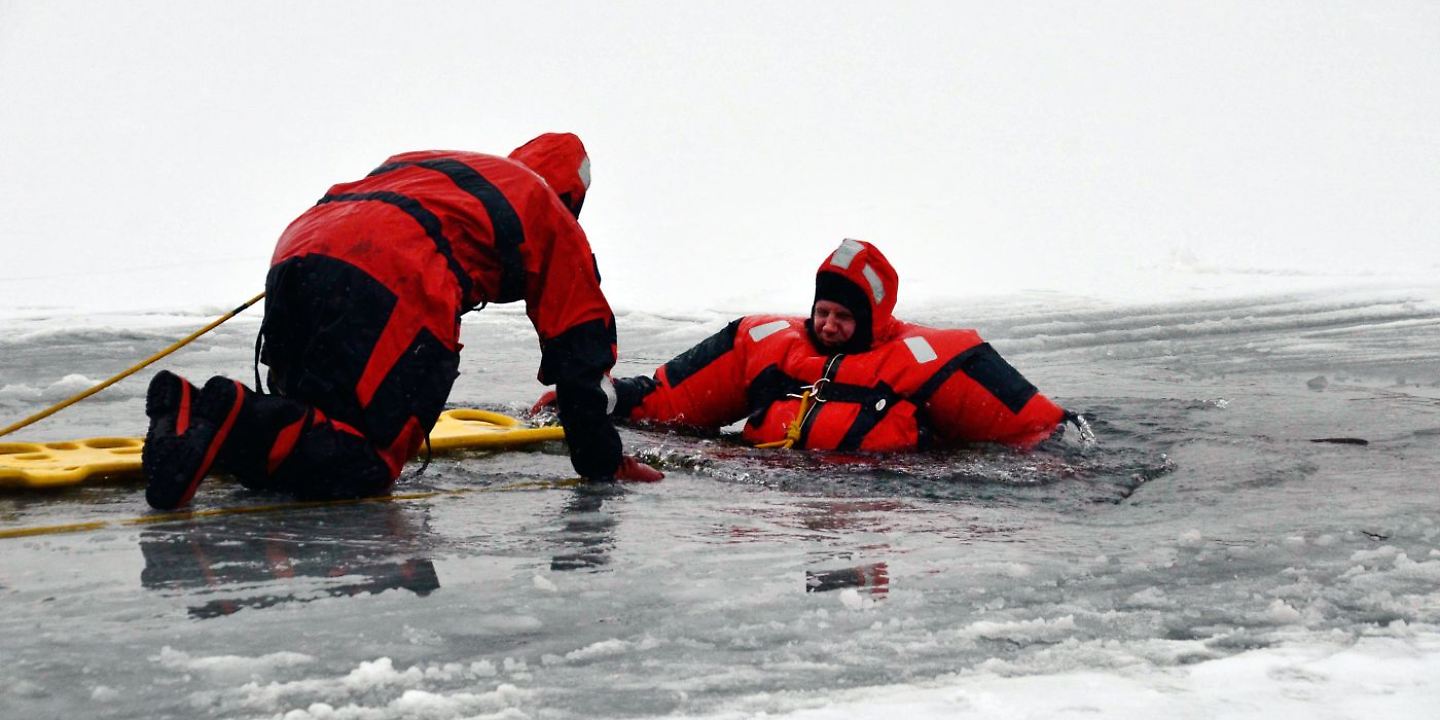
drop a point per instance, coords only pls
(895, 386)
(362, 318)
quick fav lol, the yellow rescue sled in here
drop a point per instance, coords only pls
(72, 462)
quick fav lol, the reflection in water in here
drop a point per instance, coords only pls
(587, 536)
(874, 577)
(841, 515)
(823, 522)
(834, 515)
(257, 561)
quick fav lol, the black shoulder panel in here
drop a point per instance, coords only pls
(509, 233)
(697, 358)
(426, 219)
(1000, 378)
(985, 366)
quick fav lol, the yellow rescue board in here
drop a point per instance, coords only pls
(72, 462)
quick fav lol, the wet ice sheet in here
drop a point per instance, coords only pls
(1205, 559)
(584, 606)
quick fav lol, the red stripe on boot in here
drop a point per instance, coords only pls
(182, 416)
(215, 443)
(284, 443)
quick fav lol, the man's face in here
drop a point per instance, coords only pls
(834, 324)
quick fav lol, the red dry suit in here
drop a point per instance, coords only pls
(905, 386)
(364, 299)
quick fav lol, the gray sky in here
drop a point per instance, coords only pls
(153, 151)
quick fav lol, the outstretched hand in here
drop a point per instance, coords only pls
(545, 403)
(632, 470)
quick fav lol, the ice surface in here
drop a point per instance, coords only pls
(1203, 558)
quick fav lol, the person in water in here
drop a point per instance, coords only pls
(848, 377)
(362, 326)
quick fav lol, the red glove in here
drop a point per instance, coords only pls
(546, 402)
(632, 470)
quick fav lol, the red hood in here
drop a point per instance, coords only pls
(561, 160)
(867, 271)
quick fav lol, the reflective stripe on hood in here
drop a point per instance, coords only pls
(861, 264)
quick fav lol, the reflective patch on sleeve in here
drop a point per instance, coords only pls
(846, 253)
(877, 287)
(607, 386)
(760, 332)
(921, 349)
(585, 171)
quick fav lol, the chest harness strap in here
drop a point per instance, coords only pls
(810, 399)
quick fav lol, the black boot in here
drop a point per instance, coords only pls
(187, 430)
(264, 422)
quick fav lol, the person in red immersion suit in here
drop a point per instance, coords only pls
(362, 326)
(849, 377)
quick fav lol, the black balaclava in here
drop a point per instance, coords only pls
(837, 288)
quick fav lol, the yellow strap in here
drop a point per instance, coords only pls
(808, 397)
(792, 433)
(47, 412)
